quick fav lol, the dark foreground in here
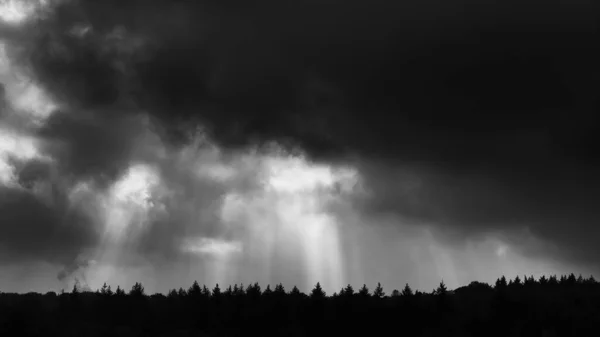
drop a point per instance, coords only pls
(565, 306)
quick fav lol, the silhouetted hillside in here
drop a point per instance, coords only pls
(564, 306)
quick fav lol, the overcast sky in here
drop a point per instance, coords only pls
(297, 141)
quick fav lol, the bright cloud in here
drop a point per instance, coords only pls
(212, 246)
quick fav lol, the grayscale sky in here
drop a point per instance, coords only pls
(297, 141)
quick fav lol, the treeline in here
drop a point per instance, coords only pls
(548, 306)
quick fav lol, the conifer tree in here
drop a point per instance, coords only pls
(501, 283)
(364, 291)
(205, 291)
(441, 289)
(378, 292)
(349, 291)
(407, 291)
(137, 290)
(317, 292)
(295, 292)
(517, 281)
(119, 292)
(279, 290)
(195, 291)
(216, 292)
(395, 293)
(268, 292)
(228, 292)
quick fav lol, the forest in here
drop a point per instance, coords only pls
(547, 306)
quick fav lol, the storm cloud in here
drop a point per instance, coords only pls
(473, 117)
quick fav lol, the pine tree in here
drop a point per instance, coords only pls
(181, 293)
(104, 289)
(349, 291)
(216, 292)
(590, 280)
(317, 292)
(119, 292)
(407, 291)
(571, 280)
(378, 293)
(501, 283)
(279, 290)
(172, 294)
(75, 290)
(137, 290)
(441, 289)
(268, 292)
(205, 291)
(517, 281)
(295, 292)
(543, 280)
(364, 291)
(228, 292)
(254, 290)
(195, 291)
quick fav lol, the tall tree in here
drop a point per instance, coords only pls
(317, 292)
(195, 291)
(378, 292)
(137, 290)
(216, 292)
(441, 289)
(364, 291)
(407, 291)
(349, 291)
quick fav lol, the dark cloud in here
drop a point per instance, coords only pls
(491, 107)
(425, 81)
(88, 145)
(42, 228)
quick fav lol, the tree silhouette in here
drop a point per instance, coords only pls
(268, 292)
(137, 290)
(228, 292)
(407, 291)
(364, 291)
(205, 292)
(119, 292)
(317, 292)
(216, 292)
(75, 290)
(473, 310)
(295, 292)
(378, 292)
(349, 291)
(441, 289)
(195, 291)
(181, 293)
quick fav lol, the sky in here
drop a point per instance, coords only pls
(295, 142)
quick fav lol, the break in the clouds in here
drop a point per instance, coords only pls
(144, 130)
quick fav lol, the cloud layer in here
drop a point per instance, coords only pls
(471, 117)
